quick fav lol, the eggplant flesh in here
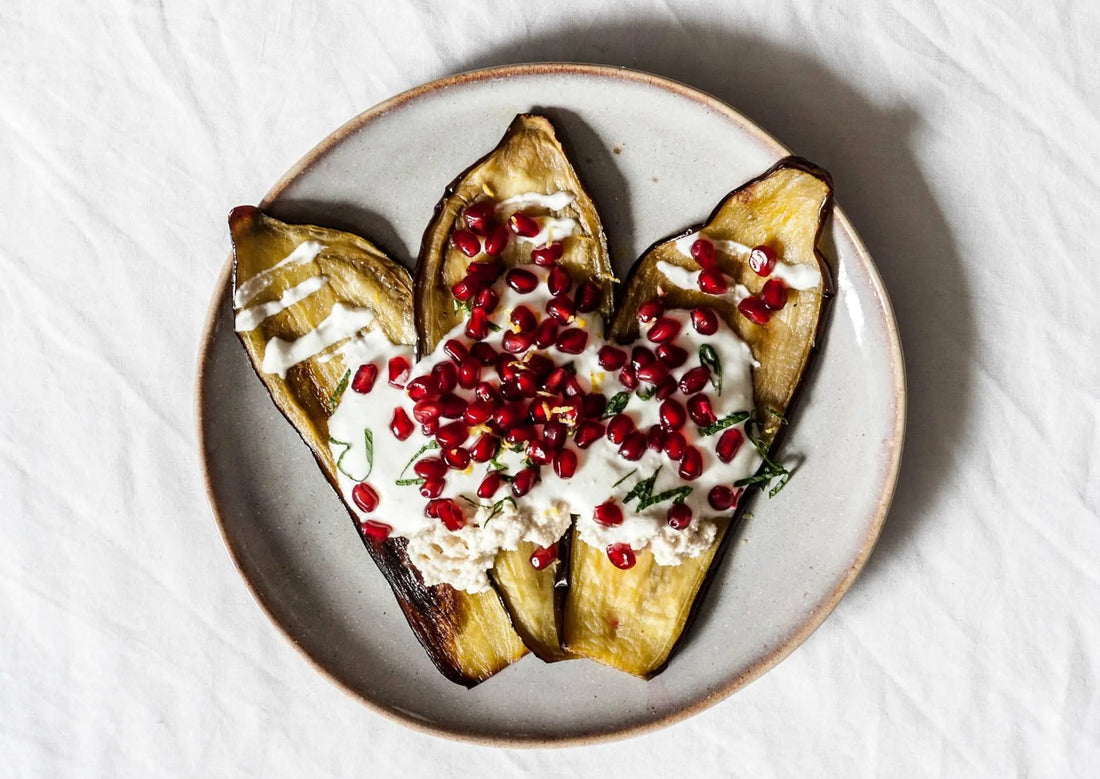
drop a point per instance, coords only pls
(634, 619)
(468, 637)
(528, 159)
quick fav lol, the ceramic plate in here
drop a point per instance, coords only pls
(656, 156)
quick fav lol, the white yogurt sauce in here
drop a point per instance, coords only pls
(795, 275)
(250, 318)
(249, 289)
(689, 279)
(553, 202)
(344, 321)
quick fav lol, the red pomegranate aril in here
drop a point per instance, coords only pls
(478, 412)
(729, 444)
(572, 341)
(523, 319)
(428, 428)
(621, 556)
(457, 458)
(422, 388)
(547, 255)
(610, 358)
(701, 411)
(365, 497)
(508, 367)
(539, 365)
(664, 329)
(399, 370)
(515, 343)
(588, 297)
(544, 557)
(400, 424)
(426, 411)
(484, 448)
(554, 434)
(479, 216)
(364, 378)
(510, 415)
(496, 240)
(608, 514)
(754, 310)
(466, 242)
(445, 376)
(486, 390)
(619, 428)
(469, 373)
(679, 516)
(565, 463)
(628, 377)
(522, 281)
(675, 446)
(556, 380)
(488, 300)
(485, 271)
(654, 373)
(588, 432)
(691, 464)
(593, 405)
(672, 415)
(489, 485)
(640, 357)
(694, 380)
(510, 390)
(483, 353)
(774, 294)
(650, 310)
(546, 333)
(561, 308)
(523, 481)
(430, 468)
(451, 406)
(539, 453)
(521, 224)
(452, 434)
(375, 531)
(539, 411)
(431, 488)
(702, 251)
(572, 387)
(712, 282)
(704, 320)
(431, 509)
(450, 514)
(559, 280)
(455, 349)
(656, 437)
(666, 389)
(721, 497)
(467, 288)
(477, 326)
(672, 355)
(633, 446)
(520, 434)
(762, 260)
(527, 384)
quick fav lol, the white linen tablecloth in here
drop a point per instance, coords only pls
(963, 138)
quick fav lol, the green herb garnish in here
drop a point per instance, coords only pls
(768, 471)
(643, 491)
(400, 477)
(338, 393)
(727, 421)
(616, 405)
(409, 482)
(676, 495)
(646, 391)
(368, 440)
(620, 481)
(709, 358)
(493, 509)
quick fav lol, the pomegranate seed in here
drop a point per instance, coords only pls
(375, 531)
(650, 310)
(588, 432)
(610, 358)
(430, 468)
(508, 367)
(672, 415)
(477, 326)
(619, 428)
(548, 255)
(572, 388)
(654, 373)
(432, 509)
(664, 329)
(452, 434)
(455, 349)
(593, 405)
(484, 448)
(466, 242)
(546, 333)
(467, 288)
(572, 341)
(675, 446)
(483, 353)
(754, 310)
(520, 434)
(510, 390)
(478, 412)
(656, 437)
(457, 458)
(720, 497)
(679, 516)
(522, 281)
(729, 444)
(640, 357)
(672, 355)
(399, 370)
(428, 428)
(633, 446)
(628, 377)
(554, 434)
(712, 282)
(486, 271)
(521, 224)
(365, 497)
(561, 308)
(496, 240)
(539, 453)
(426, 411)
(762, 260)
(539, 411)
(691, 464)
(704, 320)
(487, 300)
(431, 488)
(469, 373)
(523, 319)
(556, 380)
(527, 385)
(542, 557)
(567, 411)
(621, 556)
(774, 294)
(694, 380)
(485, 390)
(445, 375)
(364, 378)
(701, 411)
(400, 425)
(451, 406)
(514, 343)
(523, 481)
(702, 251)
(479, 216)
(509, 415)
(588, 297)
(450, 514)
(565, 463)
(666, 389)
(608, 514)
(489, 485)
(559, 280)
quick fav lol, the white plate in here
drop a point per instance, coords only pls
(656, 156)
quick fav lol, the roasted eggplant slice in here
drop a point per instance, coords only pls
(633, 619)
(296, 283)
(521, 199)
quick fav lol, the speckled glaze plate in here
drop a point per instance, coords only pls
(656, 156)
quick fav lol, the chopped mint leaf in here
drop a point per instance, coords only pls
(728, 421)
(616, 405)
(709, 358)
(338, 393)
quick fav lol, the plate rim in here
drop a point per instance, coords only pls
(815, 617)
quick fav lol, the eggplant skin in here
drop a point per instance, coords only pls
(468, 637)
(635, 620)
(529, 157)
